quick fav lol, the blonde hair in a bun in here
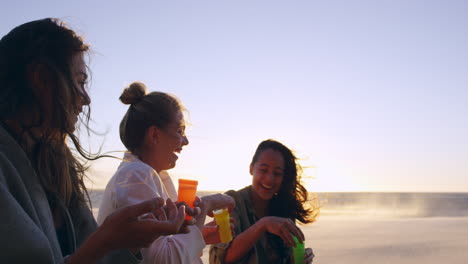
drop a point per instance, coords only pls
(146, 109)
(133, 93)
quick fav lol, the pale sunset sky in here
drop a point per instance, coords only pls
(371, 94)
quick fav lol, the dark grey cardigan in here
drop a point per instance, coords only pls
(27, 232)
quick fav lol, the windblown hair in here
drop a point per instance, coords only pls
(50, 45)
(145, 110)
(292, 198)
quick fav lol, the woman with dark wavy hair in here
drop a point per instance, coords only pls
(266, 211)
(46, 216)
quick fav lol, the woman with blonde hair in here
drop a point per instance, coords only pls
(153, 131)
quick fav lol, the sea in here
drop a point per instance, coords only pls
(399, 204)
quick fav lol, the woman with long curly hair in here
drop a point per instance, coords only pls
(46, 217)
(267, 210)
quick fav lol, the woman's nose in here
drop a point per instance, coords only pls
(269, 177)
(83, 99)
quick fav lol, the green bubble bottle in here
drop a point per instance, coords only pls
(298, 252)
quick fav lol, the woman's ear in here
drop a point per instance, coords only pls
(152, 135)
(40, 79)
(251, 169)
(42, 86)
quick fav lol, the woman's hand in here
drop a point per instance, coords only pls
(125, 228)
(284, 228)
(217, 201)
(191, 211)
(308, 256)
(130, 227)
(210, 232)
(172, 210)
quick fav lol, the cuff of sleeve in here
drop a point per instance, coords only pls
(138, 256)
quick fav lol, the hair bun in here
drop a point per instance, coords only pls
(133, 93)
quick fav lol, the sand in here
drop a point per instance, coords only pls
(383, 237)
(379, 240)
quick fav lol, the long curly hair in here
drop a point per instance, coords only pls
(291, 200)
(49, 44)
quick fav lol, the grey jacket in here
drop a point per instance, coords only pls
(27, 232)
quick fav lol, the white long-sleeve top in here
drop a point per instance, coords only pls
(134, 182)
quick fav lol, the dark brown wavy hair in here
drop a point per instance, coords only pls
(47, 43)
(291, 200)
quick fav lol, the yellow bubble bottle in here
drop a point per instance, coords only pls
(222, 220)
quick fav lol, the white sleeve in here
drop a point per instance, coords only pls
(135, 186)
(181, 248)
(140, 185)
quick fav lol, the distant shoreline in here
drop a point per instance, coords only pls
(399, 204)
(323, 192)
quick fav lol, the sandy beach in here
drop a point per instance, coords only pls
(393, 230)
(345, 239)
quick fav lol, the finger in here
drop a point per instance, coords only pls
(212, 223)
(223, 201)
(210, 213)
(180, 216)
(171, 209)
(197, 201)
(196, 211)
(190, 222)
(162, 215)
(229, 202)
(232, 220)
(287, 237)
(153, 228)
(295, 231)
(193, 211)
(211, 228)
(147, 216)
(232, 204)
(180, 203)
(189, 210)
(300, 236)
(133, 211)
(309, 255)
(232, 229)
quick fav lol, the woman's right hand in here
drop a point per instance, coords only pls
(125, 228)
(284, 228)
(217, 201)
(308, 256)
(131, 227)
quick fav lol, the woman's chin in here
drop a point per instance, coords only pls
(171, 165)
(266, 196)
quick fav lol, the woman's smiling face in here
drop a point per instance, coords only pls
(170, 143)
(267, 172)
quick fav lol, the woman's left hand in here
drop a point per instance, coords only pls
(210, 232)
(308, 256)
